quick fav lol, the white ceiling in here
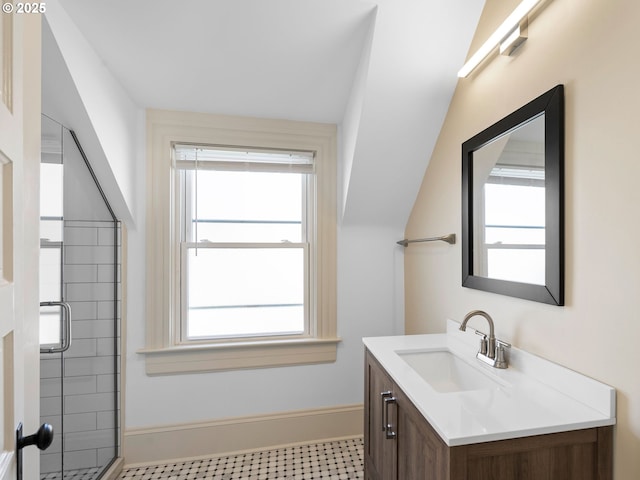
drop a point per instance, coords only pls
(265, 58)
(385, 72)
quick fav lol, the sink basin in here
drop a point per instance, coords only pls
(447, 373)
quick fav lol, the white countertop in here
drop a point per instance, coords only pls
(532, 397)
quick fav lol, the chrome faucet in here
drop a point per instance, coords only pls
(491, 349)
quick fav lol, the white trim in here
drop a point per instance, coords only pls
(122, 395)
(162, 352)
(6, 463)
(163, 444)
(198, 358)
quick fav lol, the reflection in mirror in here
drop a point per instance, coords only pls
(509, 203)
(513, 203)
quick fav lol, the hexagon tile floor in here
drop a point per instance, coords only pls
(339, 460)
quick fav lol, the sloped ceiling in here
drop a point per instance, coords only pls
(62, 102)
(290, 59)
(301, 60)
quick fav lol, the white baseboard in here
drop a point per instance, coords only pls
(233, 435)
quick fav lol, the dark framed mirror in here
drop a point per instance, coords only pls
(513, 203)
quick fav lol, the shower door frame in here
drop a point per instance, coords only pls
(111, 468)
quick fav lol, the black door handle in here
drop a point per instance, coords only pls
(41, 439)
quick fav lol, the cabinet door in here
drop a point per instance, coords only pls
(421, 454)
(380, 451)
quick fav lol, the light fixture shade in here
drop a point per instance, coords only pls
(499, 35)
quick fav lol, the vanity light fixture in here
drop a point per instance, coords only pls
(514, 39)
(509, 35)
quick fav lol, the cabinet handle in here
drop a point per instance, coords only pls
(388, 429)
(383, 396)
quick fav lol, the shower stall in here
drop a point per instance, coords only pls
(80, 242)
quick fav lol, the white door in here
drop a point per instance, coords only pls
(19, 234)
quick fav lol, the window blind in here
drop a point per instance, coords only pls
(191, 157)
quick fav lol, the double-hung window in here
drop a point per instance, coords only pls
(241, 243)
(514, 215)
(245, 221)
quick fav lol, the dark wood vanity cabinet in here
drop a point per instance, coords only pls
(401, 445)
(399, 442)
(380, 451)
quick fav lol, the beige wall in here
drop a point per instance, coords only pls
(590, 46)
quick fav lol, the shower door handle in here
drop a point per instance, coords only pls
(65, 341)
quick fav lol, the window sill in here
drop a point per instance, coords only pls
(234, 356)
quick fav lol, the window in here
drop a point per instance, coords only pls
(51, 233)
(241, 222)
(245, 225)
(514, 214)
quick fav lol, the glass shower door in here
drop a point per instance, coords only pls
(79, 319)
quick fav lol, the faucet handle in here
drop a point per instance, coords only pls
(484, 343)
(501, 362)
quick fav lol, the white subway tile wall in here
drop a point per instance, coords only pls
(82, 403)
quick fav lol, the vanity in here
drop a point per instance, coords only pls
(434, 411)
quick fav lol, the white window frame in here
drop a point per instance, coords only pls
(164, 352)
(185, 189)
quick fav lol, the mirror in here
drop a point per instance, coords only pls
(513, 203)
